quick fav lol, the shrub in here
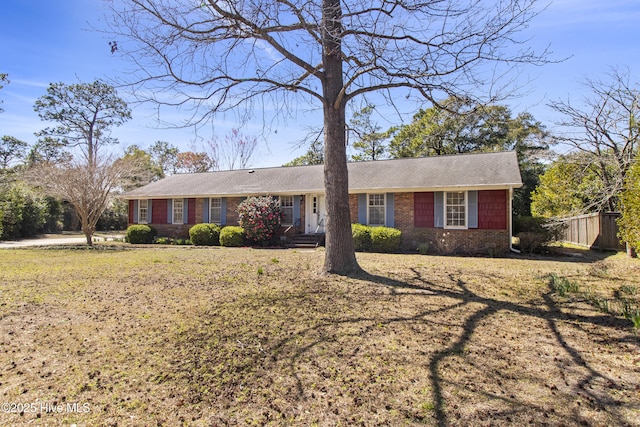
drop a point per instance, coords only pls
(181, 242)
(535, 232)
(529, 224)
(385, 239)
(140, 234)
(423, 248)
(260, 217)
(361, 237)
(629, 222)
(163, 241)
(114, 217)
(232, 236)
(24, 211)
(205, 234)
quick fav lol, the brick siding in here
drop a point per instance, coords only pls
(413, 216)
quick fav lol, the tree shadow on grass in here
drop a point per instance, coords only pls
(552, 314)
(298, 360)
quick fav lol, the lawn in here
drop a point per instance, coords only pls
(221, 336)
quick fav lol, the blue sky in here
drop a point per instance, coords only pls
(44, 41)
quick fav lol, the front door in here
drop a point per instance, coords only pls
(316, 213)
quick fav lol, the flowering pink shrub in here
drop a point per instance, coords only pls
(260, 217)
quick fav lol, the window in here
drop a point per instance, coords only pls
(143, 211)
(456, 209)
(376, 209)
(215, 211)
(178, 211)
(286, 206)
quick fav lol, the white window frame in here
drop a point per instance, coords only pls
(466, 210)
(217, 208)
(177, 215)
(144, 209)
(383, 198)
(286, 204)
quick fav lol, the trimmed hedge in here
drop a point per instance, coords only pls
(140, 234)
(205, 234)
(361, 237)
(232, 236)
(376, 239)
(385, 239)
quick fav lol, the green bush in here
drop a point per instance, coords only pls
(205, 234)
(535, 232)
(629, 222)
(529, 224)
(114, 217)
(385, 239)
(140, 234)
(181, 242)
(423, 248)
(361, 237)
(232, 236)
(24, 211)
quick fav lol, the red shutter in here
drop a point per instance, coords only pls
(423, 206)
(159, 211)
(131, 209)
(492, 209)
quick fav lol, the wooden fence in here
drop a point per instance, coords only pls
(595, 231)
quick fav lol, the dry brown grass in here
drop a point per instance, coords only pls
(214, 337)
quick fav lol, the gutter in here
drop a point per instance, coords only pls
(511, 248)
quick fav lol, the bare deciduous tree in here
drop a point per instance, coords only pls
(235, 151)
(606, 129)
(217, 55)
(88, 188)
(85, 114)
(194, 162)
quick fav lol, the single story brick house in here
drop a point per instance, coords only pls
(455, 204)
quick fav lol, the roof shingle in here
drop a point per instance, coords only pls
(408, 174)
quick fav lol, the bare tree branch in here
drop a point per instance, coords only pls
(215, 56)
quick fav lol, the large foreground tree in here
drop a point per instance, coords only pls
(216, 55)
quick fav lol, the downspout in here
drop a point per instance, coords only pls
(511, 248)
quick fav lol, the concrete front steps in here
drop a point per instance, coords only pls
(307, 240)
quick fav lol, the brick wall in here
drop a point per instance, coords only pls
(232, 210)
(199, 211)
(413, 216)
(404, 210)
(176, 231)
(443, 241)
(353, 208)
(191, 211)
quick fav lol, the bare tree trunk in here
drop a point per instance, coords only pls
(88, 232)
(340, 255)
(631, 252)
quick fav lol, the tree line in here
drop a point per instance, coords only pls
(67, 176)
